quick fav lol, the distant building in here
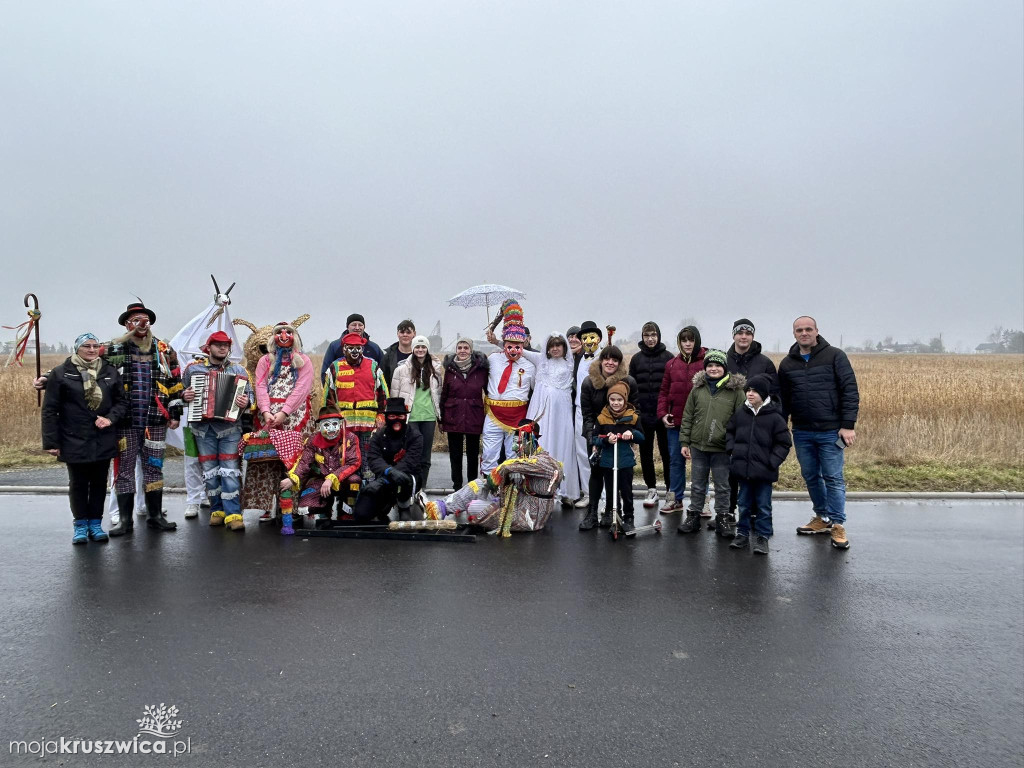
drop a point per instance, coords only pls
(988, 348)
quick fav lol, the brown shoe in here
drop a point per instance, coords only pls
(234, 522)
(817, 525)
(839, 540)
(216, 518)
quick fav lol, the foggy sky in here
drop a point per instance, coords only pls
(860, 162)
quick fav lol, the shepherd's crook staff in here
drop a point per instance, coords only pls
(21, 340)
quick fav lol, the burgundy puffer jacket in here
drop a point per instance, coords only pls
(678, 380)
(462, 396)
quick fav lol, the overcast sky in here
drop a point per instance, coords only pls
(861, 162)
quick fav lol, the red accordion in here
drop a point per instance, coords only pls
(215, 396)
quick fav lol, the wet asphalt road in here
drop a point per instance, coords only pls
(556, 648)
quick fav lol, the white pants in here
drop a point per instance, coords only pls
(492, 439)
(582, 454)
(195, 488)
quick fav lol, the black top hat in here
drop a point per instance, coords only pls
(589, 326)
(133, 309)
(396, 405)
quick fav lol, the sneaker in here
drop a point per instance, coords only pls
(817, 525)
(839, 540)
(589, 522)
(141, 512)
(760, 545)
(191, 511)
(675, 505)
(740, 542)
(421, 499)
(266, 517)
(690, 524)
(583, 502)
(706, 512)
(606, 521)
(652, 498)
(626, 526)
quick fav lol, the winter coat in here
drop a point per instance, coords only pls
(678, 379)
(402, 384)
(402, 452)
(758, 443)
(389, 361)
(630, 421)
(751, 363)
(594, 393)
(462, 396)
(819, 395)
(648, 368)
(706, 416)
(336, 352)
(67, 422)
(165, 380)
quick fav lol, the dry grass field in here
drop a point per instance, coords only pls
(927, 422)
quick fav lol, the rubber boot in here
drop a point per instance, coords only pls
(125, 508)
(96, 532)
(590, 521)
(154, 501)
(286, 525)
(691, 523)
(81, 532)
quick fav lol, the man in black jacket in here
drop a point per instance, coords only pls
(744, 356)
(819, 394)
(393, 455)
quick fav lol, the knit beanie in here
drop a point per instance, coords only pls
(421, 341)
(619, 388)
(355, 317)
(743, 324)
(714, 356)
(759, 384)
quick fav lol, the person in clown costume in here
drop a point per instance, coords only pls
(283, 385)
(325, 471)
(518, 495)
(356, 387)
(217, 439)
(509, 382)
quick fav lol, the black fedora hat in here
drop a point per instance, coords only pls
(133, 309)
(396, 405)
(589, 326)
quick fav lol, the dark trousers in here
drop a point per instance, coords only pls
(647, 452)
(625, 490)
(87, 488)
(455, 443)
(755, 498)
(426, 429)
(377, 505)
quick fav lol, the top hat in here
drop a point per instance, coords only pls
(135, 308)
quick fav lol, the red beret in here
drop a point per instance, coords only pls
(353, 339)
(218, 337)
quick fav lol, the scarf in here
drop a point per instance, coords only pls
(93, 393)
(322, 443)
(282, 357)
(628, 416)
(464, 366)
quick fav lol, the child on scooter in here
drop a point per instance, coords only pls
(618, 429)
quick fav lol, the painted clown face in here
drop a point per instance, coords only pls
(590, 342)
(284, 338)
(513, 350)
(138, 324)
(329, 428)
(353, 353)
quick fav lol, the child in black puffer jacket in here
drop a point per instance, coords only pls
(758, 441)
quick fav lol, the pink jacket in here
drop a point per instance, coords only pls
(303, 385)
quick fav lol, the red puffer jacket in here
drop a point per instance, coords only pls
(678, 380)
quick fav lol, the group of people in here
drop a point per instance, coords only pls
(537, 428)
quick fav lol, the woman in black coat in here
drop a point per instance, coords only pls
(648, 368)
(84, 399)
(462, 408)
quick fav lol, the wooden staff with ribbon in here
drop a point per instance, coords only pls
(25, 330)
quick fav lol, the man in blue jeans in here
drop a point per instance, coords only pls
(819, 393)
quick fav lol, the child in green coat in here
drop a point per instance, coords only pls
(715, 396)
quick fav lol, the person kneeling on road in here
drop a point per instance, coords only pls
(325, 470)
(393, 457)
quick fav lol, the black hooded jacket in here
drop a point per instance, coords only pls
(751, 363)
(819, 394)
(647, 366)
(757, 444)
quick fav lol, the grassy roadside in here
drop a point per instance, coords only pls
(866, 476)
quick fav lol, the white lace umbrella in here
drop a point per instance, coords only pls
(485, 296)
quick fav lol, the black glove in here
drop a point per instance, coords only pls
(374, 486)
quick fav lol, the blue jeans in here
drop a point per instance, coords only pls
(217, 443)
(821, 464)
(754, 494)
(677, 466)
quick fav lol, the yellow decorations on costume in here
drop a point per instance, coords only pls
(335, 483)
(431, 511)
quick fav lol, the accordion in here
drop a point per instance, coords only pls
(215, 396)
